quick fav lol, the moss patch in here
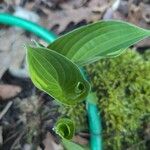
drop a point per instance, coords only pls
(122, 85)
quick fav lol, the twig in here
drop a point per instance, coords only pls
(4, 111)
(17, 141)
(1, 136)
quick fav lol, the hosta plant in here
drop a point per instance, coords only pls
(55, 69)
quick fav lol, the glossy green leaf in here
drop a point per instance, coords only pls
(71, 145)
(65, 128)
(56, 75)
(98, 40)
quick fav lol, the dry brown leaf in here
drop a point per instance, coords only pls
(11, 49)
(140, 15)
(64, 17)
(71, 12)
(145, 12)
(74, 12)
(135, 14)
(5, 60)
(8, 91)
(8, 38)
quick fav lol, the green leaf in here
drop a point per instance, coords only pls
(56, 75)
(98, 40)
(65, 128)
(71, 145)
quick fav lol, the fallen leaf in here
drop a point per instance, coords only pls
(134, 15)
(73, 12)
(12, 52)
(140, 15)
(62, 18)
(145, 12)
(5, 60)
(8, 91)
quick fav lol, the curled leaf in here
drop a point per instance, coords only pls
(56, 75)
(65, 128)
(98, 40)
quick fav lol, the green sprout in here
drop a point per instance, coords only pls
(55, 69)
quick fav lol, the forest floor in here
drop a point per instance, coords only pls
(25, 115)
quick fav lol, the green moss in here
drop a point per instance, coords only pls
(122, 85)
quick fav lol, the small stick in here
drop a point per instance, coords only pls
(1, 136)
(4, 111)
